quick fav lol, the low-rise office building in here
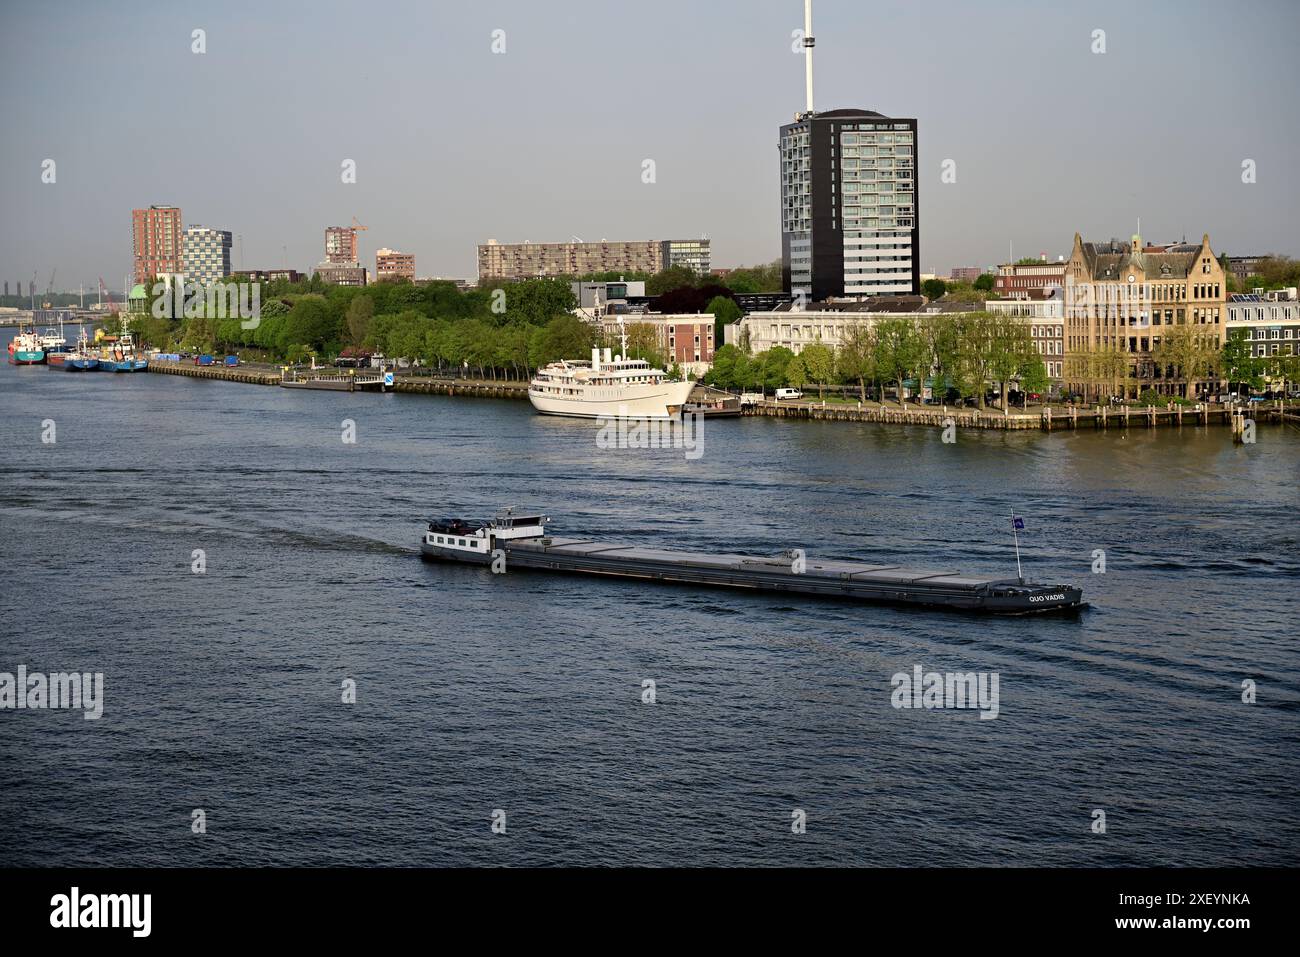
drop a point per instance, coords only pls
(1271, 321)
(341, 274)
(393, 265)
(1045, 319)
(686, 339)
(1035, 280)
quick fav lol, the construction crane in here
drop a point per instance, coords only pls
(49, 288)
(357, 225)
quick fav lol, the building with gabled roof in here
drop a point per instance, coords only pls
(1119, 297)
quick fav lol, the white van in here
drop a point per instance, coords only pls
(788, 394)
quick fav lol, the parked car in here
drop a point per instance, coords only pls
(788, 394)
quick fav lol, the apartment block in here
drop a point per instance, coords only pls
(341, 244)
(207, 254)
(850, 216)
(157, 242)
(507, 261)
(392, 265)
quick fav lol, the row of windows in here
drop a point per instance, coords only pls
(870, 139)
(1273, 333)
(1275, 314)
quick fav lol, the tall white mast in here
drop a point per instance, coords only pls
(808, 44)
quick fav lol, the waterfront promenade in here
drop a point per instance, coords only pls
(1047, 419)
(261, 373)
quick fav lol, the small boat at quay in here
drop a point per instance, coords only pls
(81, 359)
(121, 356)
(54, 345)
(520, 541)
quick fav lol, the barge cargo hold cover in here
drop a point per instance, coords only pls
(520, 541)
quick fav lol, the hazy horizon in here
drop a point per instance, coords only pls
(455, 144)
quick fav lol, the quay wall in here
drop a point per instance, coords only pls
(1050, 419)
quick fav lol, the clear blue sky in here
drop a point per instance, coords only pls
(455, 145)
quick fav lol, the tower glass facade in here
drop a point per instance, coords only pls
(849, 208)
(207, 254)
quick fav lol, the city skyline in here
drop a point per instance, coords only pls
(455, 144)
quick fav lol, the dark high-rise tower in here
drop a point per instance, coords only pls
(850, 221)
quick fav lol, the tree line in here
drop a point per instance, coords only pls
(961, 352)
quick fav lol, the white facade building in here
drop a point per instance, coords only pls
(794, 329)
(1046, 321)
(1272, 321)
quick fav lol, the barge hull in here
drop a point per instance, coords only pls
(881, 584)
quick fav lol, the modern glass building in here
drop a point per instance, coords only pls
(850, 221)
(207, 254)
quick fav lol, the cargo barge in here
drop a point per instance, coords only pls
(510, 542)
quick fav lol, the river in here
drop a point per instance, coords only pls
(523, 693)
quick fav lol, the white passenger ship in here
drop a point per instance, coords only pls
(607, 386)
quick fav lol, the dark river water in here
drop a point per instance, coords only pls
(523, 692)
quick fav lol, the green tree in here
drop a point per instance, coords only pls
(898, 350)
(723, 372)
(796, 373)
(938, 337)
(819, 365)
(754, 279)
(535, 301)
(1238, 362)
(1033, 377)
(672, 278)
(1011, 350)
(360, 313)
(975, 352)
(643, 343)
(771, 366)
(984, 282)
(310, 323)
(564, 337)
(934, 288)
(725, 311)
(1186, 352)
(857, 356)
